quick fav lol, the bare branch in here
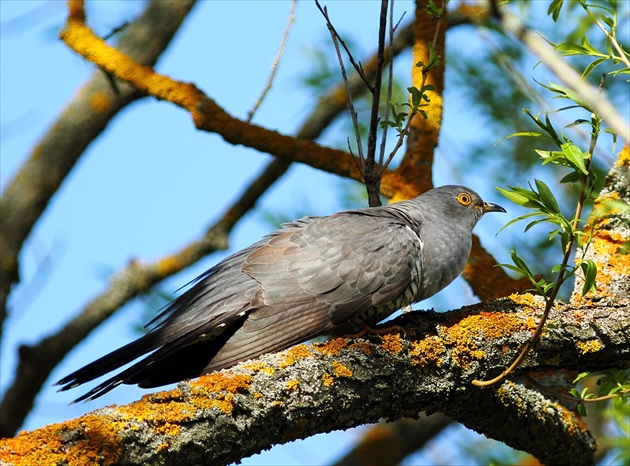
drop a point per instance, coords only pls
(275, 63)
(357, 67)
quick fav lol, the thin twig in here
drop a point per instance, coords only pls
(405, 130)
(371, 174)
(572, 398)
(331, 28)
(276, 62)
(390, 83)
(613, 40)
(353, 113)
(549, 301)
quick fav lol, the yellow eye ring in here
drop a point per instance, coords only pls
(464, 198)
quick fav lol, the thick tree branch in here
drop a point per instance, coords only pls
(227, 415)
(28, 194)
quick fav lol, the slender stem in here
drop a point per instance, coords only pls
(353, 113)
(371, 175)
(334, 32)
(390, 84)
(275, 63)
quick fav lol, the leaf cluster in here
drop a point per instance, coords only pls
(604, 16)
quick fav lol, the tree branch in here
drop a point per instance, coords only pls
(225, 416)
(137, 278)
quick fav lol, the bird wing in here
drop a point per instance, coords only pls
(321, 275)
(349, 262)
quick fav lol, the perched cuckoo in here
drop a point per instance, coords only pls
(313, 276)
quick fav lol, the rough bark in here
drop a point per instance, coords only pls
(228, 415)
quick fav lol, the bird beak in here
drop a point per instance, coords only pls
(490, 207)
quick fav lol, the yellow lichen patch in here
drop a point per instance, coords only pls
(159, 411)
(259, 366)
(392, 343)
(293, 385)
(223, 382)
(217, 390)
(461, 333)
(340, 370)
(89, 439)
(100, 102)
(428, 351)
(332, 347)
(572, 421)
(327, 380)
(294, 354)
(258, 395)
(590, 346)
(608, 244)
(526, 300)
(162, 447)
(168, 265)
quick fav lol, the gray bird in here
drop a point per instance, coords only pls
(313, 276)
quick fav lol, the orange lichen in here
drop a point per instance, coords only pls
(327, 380)
(169, 265)
(294, 354)
(293, 385)
(163, 447)
(462, 332)
(590, 346)
(340, 370)
(100, 102)
(86, 440)
(332, 347)
(217, 390)
(428, 351)
(259, 366)
(392, 343)
(526, 300)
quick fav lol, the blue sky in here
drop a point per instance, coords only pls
(152, 182)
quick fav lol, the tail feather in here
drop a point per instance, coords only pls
(172, 358)
(110, 362)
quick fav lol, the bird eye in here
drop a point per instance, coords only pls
(464, 198)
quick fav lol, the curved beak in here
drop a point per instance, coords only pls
(490, 207)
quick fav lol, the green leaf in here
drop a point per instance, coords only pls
(572, 177)
(575, 156)
(581, 376)
(590, 274)
(567, 93)
(554, 9)
(515, 197)
(523, 134)
(547, 197)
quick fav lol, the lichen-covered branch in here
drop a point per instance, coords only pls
(610, 229)
(225, 416)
